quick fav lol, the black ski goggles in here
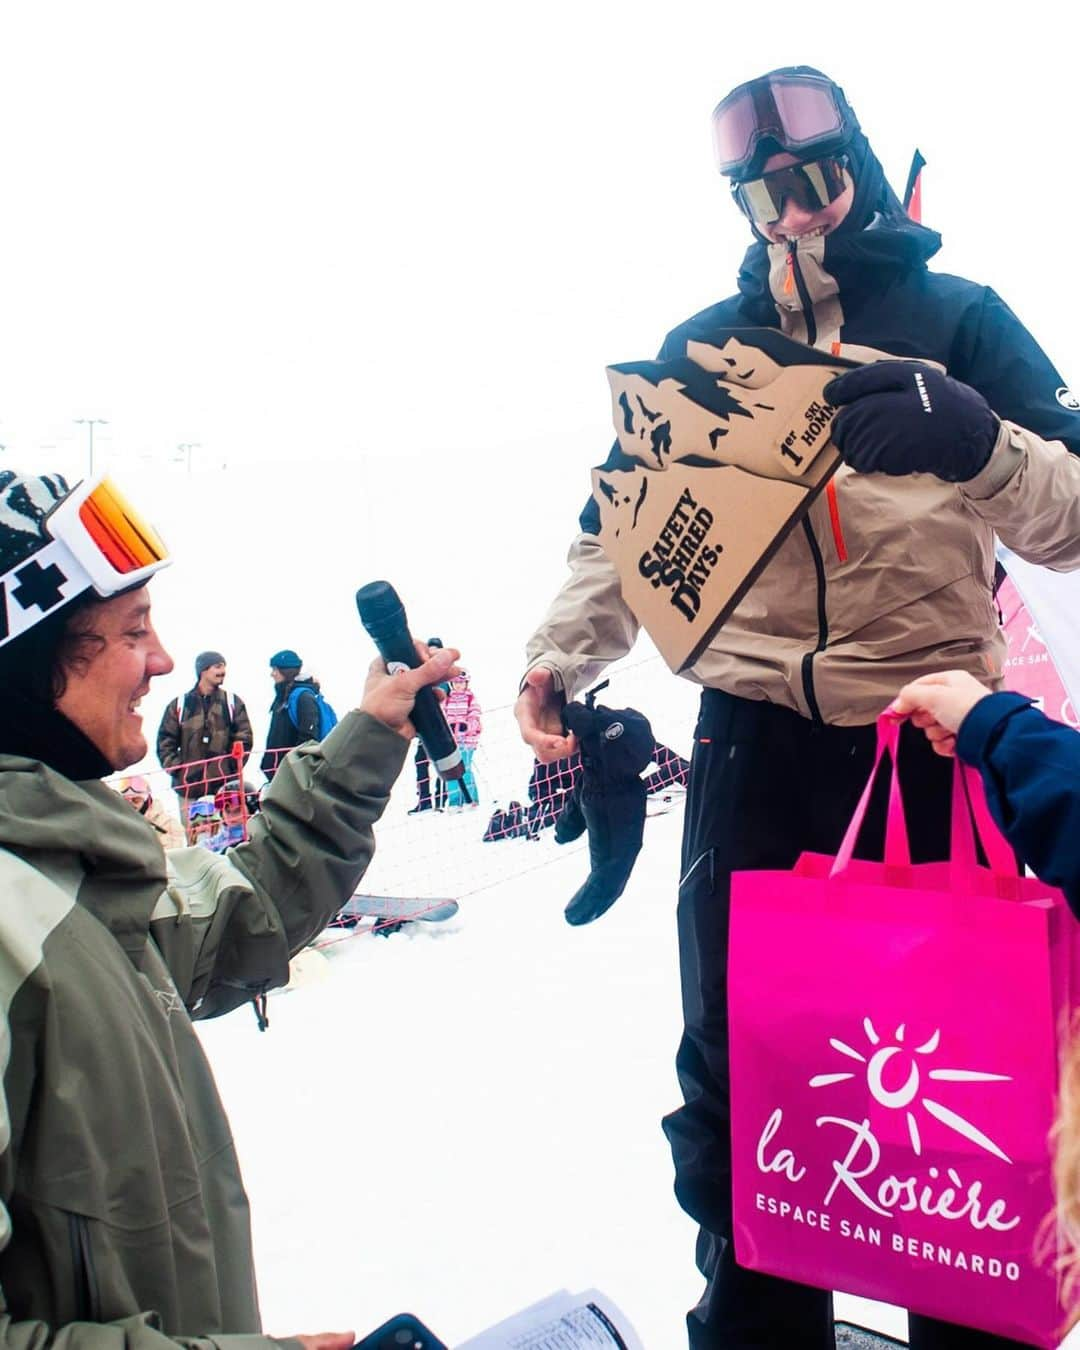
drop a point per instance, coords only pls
(812, 186)
(797, 113)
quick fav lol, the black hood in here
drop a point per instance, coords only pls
(873, 195)
(876, 233)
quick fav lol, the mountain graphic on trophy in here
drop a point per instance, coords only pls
(723, 451)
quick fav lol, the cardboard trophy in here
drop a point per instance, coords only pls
(723, 451)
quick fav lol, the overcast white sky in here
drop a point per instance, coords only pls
(283, 230)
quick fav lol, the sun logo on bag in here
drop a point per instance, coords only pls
(882, 1063)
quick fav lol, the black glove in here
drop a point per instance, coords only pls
(906, 417)
(616, 745)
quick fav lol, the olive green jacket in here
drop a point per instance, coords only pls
(123, 1219)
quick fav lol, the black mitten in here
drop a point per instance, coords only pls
(902, 417)
(616, 745)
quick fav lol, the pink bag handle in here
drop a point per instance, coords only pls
(968, 788)
(897, 849)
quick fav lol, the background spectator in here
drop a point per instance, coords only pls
(198, 728)
(425, 800)
(231, 802)
(463, 713)
(135, 790)
(206, 829)
(292, 721)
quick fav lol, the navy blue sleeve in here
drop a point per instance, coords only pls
(1031, 768)
(995, 354)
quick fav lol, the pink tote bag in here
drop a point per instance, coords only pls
(895, 1035)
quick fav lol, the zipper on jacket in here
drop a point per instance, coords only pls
(823, 625)
(795, 271)
(87, 1298)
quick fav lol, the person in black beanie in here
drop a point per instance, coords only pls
(955, 428)
(108, 950)
(196, 731)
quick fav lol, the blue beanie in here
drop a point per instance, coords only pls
(286, 660)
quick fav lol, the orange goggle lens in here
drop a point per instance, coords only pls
(124, 538)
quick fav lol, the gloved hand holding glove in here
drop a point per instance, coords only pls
(608, 800)
(902, 417)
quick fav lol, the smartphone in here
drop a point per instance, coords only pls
(403, 1332)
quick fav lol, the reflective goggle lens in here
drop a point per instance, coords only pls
(94, 540)
(122, 535)
(812, 186)
(808, 111)
(734, 127)
(796, 111)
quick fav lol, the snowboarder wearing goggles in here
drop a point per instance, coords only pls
(123, 1218)
(889, 577)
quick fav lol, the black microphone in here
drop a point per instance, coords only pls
(383, 615)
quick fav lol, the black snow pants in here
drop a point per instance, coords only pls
(423, 782)
(765, 786)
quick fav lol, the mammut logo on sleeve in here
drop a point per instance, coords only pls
(1068, 399)
(924, 397)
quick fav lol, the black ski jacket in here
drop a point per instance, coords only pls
(888, 577)
(886, 299)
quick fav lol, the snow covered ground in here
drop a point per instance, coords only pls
(462, 1118)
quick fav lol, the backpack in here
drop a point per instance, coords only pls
(230, 703)
(327, 716)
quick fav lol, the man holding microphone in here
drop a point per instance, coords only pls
(123, 1218)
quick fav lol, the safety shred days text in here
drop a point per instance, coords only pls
(682, 558)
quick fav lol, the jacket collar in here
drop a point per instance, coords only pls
(863, 262)
(45, 814)
(38, 730)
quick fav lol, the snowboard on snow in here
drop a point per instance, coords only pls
(389, 912)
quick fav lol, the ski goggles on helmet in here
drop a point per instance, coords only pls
(96, 540)
(812, 186)
(203, 809)
(798, 113)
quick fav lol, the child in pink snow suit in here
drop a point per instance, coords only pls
(463, 713)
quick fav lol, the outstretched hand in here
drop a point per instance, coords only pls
(390, 698)
(539, 717)
(938, 704)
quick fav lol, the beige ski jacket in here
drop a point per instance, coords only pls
(892, 577)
